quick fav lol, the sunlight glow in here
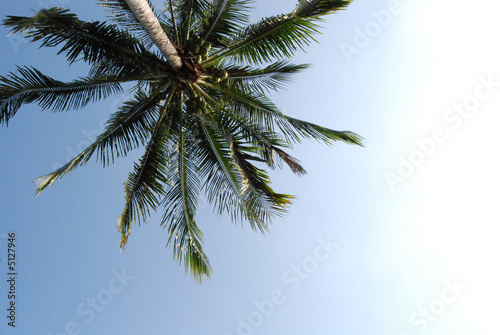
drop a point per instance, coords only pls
(459, 213)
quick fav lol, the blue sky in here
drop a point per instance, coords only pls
(395, 238)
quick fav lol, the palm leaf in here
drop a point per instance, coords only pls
(269, 143)
(146, 183)
(258, 109)
(181, 201)
(127, 129)
(224, 18)
(256, 186)
(224, 183)
(33, 86)
(296, 128)
(273, 77)
(242, 194)
(93, 42)
(279, 36)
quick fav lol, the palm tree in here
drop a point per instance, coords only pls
(206, 124)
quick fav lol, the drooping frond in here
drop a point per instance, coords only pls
(126, 129)
(279, 36)
(181, 202)
(319, 8)
(257, 185)
(292, 162)
(146, 184)
(33, 86)
(223, 183)
(268, 142)
(235, 185)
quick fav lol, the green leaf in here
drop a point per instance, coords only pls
(280, 36)
(273, 77)
(180, 203)
(33, 86)
(126, 130)
(91, 41)
(224, 18)
(145, 185)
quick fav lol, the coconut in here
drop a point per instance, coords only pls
(222, 74)
(199, 59)
(203, 51)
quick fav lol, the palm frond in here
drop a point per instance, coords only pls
(256, 185)
(248, 104)
(93, 42)
(145, 185)
(222, 182)
(279, 36)
(273, 77)
(126, 130)
(224, 18)
(258, 109)
(33, 86)
(236, 186)
(181, 202)
(269, 142)
(292, 162)
(295, 129)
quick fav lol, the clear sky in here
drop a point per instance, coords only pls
(397, 238)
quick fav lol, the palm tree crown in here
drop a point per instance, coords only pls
(206, 124)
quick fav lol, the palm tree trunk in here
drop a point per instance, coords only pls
(151, 25)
